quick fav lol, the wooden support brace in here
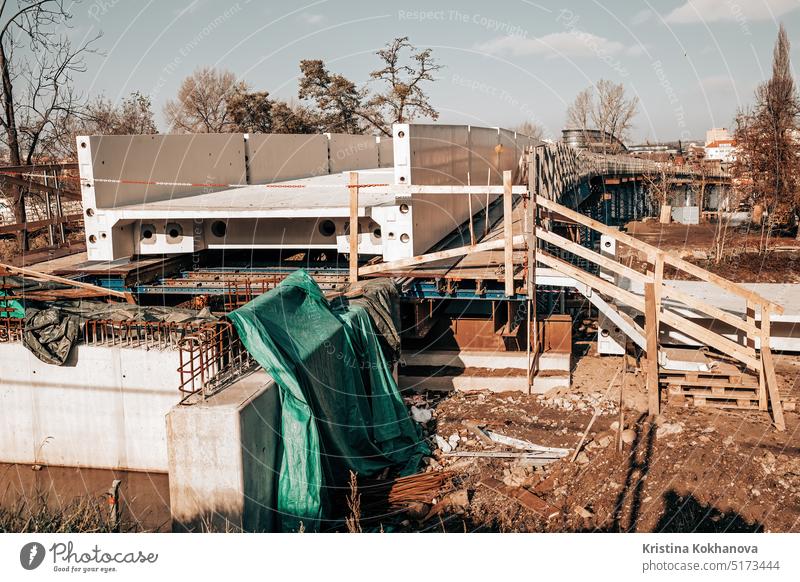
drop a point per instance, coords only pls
(651, 328)
(439, 255)
(769, 373)
(353, 227)
(37, 276)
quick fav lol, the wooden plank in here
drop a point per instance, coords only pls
(672, 319)
(592, 281)
(729, 286)
(37, 276)
(703, 335)
(763, 404)
(769, 373)
(529, 231)
(508, 234)
(651, 252)
(651, 329)
(525, 497)
(36, 224)
(707, 308)
(409, 189)
(353, 227)
(658, 279)
(439, 255)
(593, 256)
(40, 167)
(37, 187)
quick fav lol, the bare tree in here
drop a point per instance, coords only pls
(37, 64)
(768, 148)
(201, 105)
(531, 129)
(132, 116)
(604, 107)
(403, 98)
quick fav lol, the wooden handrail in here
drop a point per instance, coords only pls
(593, 256)
(653, 252)
(674, 320)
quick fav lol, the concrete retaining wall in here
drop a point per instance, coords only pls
(104, 409)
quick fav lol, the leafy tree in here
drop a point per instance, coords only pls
(339, 103)
(251, 112)
(341, 106)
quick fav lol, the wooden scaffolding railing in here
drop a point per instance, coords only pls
(656, 313)
(650, 304)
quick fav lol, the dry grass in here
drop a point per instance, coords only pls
(83, 515)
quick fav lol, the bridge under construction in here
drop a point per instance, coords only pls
(495, 241)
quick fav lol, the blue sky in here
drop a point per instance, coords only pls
(692, 64)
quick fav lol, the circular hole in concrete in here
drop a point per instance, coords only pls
(147, 234)
(92, 238)
(219, 228)
(327, 228)
(404, 238)
(376, 233)
(404, 208)
(90, 212)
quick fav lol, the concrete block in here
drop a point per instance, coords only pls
(224, 459)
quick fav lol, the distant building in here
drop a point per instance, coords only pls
(722, 150)
(717, 134)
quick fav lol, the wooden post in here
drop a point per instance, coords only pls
(529, 232)
(508, 233)
(471, 220)
(59, 209)
(651, 328)
(658, 280)
(353, 227)
(750, 342)
(769, 371)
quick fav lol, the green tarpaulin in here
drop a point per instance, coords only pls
(341, 409)
(11, 307)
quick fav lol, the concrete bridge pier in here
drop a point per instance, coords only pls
(224, 458)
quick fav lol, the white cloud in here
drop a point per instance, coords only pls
(735, 10)
(571, 44)
(641, 17)
(717, 83)
(309, 18)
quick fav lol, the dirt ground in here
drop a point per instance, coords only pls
(690, 469)
(741, 261)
